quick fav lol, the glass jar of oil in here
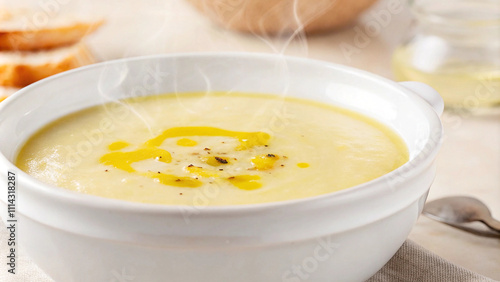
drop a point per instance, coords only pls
(456, 50)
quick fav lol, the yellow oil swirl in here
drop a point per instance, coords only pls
(201, 171)
(246, 182)
(124, 160)
(118, 145)
(247, 139)
(215, 160)
(150, 150)
(264, 162)
(186, 142)
(303, 165)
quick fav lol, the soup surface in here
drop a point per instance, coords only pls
(204, 149)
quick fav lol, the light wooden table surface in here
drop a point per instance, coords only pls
(469, 162)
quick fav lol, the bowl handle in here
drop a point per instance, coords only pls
(427, 93)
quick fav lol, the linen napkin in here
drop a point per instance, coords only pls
(416, 264)
(411, 263)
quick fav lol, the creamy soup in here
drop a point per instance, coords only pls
(211, 149)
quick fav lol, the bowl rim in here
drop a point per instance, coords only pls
(414, 166)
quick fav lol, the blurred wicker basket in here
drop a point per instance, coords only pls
(282, 16)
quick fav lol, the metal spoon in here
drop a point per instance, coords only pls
(459, 211)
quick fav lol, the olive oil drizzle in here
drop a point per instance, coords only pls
(247, 139)
(150, 150)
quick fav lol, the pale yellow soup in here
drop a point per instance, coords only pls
(202, 149)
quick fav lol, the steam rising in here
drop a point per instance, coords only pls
(168, 17)
(135, 28)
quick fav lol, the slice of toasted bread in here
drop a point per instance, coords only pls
(7, 91)
(28, 30)
(18, 69)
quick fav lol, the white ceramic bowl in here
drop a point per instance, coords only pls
(342, 236)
